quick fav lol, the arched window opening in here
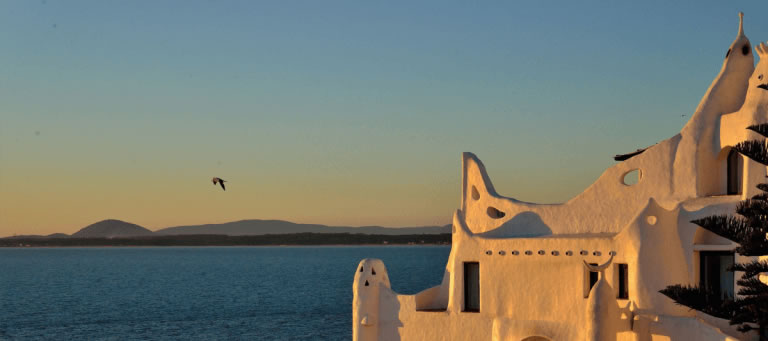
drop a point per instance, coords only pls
(735, 170)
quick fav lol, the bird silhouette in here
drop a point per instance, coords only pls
(220, 181)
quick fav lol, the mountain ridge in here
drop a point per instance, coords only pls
(111, 228)
(250, 227)
(114, 228)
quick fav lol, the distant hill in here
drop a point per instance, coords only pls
(58, 235)
(112, 228)
(222, 240)
(32, 236)
(261, 227)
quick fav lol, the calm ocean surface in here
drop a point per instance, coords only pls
(196, 293)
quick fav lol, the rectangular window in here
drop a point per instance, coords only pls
(623, 281)
(592, 277)
(735, 172)
(472, 286)
(713, 275)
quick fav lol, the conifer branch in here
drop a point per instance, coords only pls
(752, 268)
(752, 286)
(763, 187)
(725, 226)
(761, 129)
(700, 299)
(752, 207)
(754, 149)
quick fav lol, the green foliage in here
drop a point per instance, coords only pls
(753, 209)
(752, 286)
(755, 150)
(749, 310)
(761, 129)
(700, 299)
(751, 238)
(752, 268)
(763, 187)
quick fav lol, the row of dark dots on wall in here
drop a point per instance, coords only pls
(554, 253)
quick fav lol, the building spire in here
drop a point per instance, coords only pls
(741, 24)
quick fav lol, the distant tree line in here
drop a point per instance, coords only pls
(224, 240)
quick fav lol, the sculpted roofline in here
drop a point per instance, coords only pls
(520, 271)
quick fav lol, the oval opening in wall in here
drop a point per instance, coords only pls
(495, 213)
(475, 193)
(632, 177)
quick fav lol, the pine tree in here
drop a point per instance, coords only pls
(749, 310)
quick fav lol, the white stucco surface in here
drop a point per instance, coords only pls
(535, 260)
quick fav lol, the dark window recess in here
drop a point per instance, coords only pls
(494, 213)
(734, 176)
(713, 273)
(472, 287)
(623, 281)
(593, 276)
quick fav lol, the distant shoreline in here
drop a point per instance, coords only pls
(220, 246)
(294, 239)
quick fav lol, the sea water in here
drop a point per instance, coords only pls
(196, 293)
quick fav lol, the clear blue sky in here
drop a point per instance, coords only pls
(351, 113)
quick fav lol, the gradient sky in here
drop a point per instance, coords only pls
(341, 113)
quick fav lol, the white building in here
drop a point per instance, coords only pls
(521, 271)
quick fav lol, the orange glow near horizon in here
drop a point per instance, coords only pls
(349, 114)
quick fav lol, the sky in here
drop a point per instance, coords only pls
(334, 112)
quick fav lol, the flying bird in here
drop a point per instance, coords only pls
(220, 181)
